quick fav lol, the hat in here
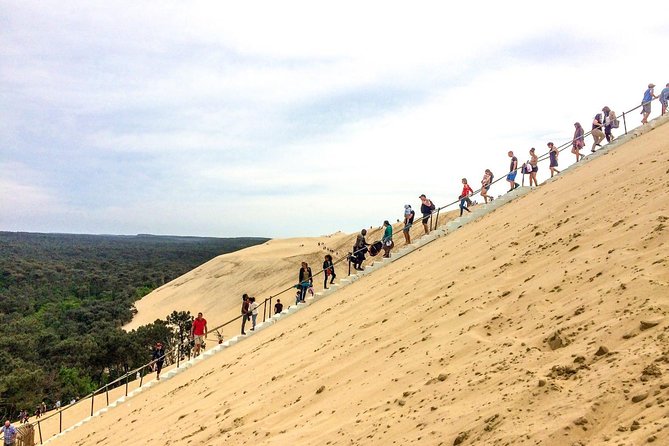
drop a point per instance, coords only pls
(422, 196)
(407, 206)
(651, 85)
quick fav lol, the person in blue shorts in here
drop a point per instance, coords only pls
(513, 170)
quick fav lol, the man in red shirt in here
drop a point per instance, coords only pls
(198, 332)
(464, 196)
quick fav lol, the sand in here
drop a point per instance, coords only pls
(544, 322)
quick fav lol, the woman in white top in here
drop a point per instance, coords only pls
(253, 308)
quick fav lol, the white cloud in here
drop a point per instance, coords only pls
(167, 117)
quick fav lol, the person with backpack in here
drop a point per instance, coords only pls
(610, 122)
(426, 208)
(387, 239)
(409, 215)
(464, 196)
(664, 98)
(486, 182)
(328, 271)
(578, 142)
(359, 250)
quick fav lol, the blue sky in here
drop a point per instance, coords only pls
(292, 118)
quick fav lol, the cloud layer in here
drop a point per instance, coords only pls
(291, 118)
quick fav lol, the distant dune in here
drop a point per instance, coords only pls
(544, 322)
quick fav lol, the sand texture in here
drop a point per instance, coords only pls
(544, 322)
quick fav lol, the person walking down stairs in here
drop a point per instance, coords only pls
(464, 196)
(409, 215)
(246, 314)
(328, 271)
(513, 171)
(426, 208)
(198, 332)
(553, 153)
(306, 280)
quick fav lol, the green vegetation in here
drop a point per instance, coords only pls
(63, 299)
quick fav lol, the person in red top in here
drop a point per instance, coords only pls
(198, 332)
(464, 196)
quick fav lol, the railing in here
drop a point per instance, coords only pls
(124, 379)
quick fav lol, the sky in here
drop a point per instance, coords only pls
(285, 119)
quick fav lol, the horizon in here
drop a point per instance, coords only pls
(167, 119)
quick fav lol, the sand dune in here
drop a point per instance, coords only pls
(215, 288)
(544, 322)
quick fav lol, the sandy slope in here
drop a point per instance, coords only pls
(216, 287)
(490, 334)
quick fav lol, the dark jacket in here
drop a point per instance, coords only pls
(305, 276)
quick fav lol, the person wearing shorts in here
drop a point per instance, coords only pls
(664, 98)
(426, 209)
(486, 182)
(409, 215)
(513, 171)
(648, 97)
(198, 332)
(534, 162)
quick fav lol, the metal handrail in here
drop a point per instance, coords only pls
(177, 348)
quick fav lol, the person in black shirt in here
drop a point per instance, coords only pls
(158, 357)
(306, 280)
(328, 271)
(426, 209)
(278, 307)
(409, 215)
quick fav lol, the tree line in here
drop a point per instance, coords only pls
(64, 298)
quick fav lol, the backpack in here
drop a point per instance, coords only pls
(614, 120)
(527, 167)
(432, 206)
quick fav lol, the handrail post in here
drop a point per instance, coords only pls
(39, 429)
(436, 220)
(60, 421)
(141, 378)
(270, 306)
(264, 309)
(625, 123)
(92, 402)
(349, 265)
(107, 393)
(126, 380)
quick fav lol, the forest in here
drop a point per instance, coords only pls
(64, 298)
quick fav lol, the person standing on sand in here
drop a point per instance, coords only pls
(426, 208)
(8, 434)
(578, 142)
(664, 98)
(387, 239)
(278, 307)
(328, 271)
(486, 182)
(245, 311)
(513, 171)
(648, 97)
(534, 162)
(253, 309)
(198, 331)
(409, 215)
(464, 196)
(305, 280)
(597, 133)
(158, 357)
(553, 154)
